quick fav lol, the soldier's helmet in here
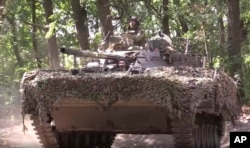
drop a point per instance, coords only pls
(161, 42)
(134, 18)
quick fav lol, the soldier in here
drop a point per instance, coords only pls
(162, 43)
(134, 34)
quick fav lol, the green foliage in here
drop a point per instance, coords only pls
(94, 44)
(217, 62)
(245, 13)
(246, 69)
(200, 16)
(51, 31)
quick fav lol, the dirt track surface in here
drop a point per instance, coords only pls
(13, 137)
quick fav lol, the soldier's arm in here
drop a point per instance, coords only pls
(139, 35)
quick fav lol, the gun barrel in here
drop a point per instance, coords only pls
(79, 53)
(87, 53)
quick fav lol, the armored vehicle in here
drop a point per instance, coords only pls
(151, 90)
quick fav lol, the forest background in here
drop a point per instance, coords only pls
(31, 31)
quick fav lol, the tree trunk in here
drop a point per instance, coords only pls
(222, 39)
(51, 41)
(221, 28)
(105, 18)
(2, 6)
(181, 18)
(234, 51)
(34, 31)
(165, 19)
(81, 21)
(234, 44)
(14, 41)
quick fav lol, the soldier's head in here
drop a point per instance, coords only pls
(133, 22)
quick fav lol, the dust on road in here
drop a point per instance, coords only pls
(14, 137)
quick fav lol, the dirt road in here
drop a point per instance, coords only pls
(13, 137)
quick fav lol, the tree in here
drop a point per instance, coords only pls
(11, 19)
(81, 21)
(181, 19)
(2, 6)
(234, 46)
(14, 41)
(51, 38)
(165, 19)
(105, 18)
(234, 43)
(34, 32)
(221, 27)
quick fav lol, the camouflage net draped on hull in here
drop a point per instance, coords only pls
(179, 90)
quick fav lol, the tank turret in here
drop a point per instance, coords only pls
(158, 52)
(107, 61)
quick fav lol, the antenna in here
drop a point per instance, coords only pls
(187, 50)
(103, 41)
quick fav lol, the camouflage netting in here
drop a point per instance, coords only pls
(179, 90)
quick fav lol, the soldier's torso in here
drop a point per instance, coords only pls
(135, 34)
